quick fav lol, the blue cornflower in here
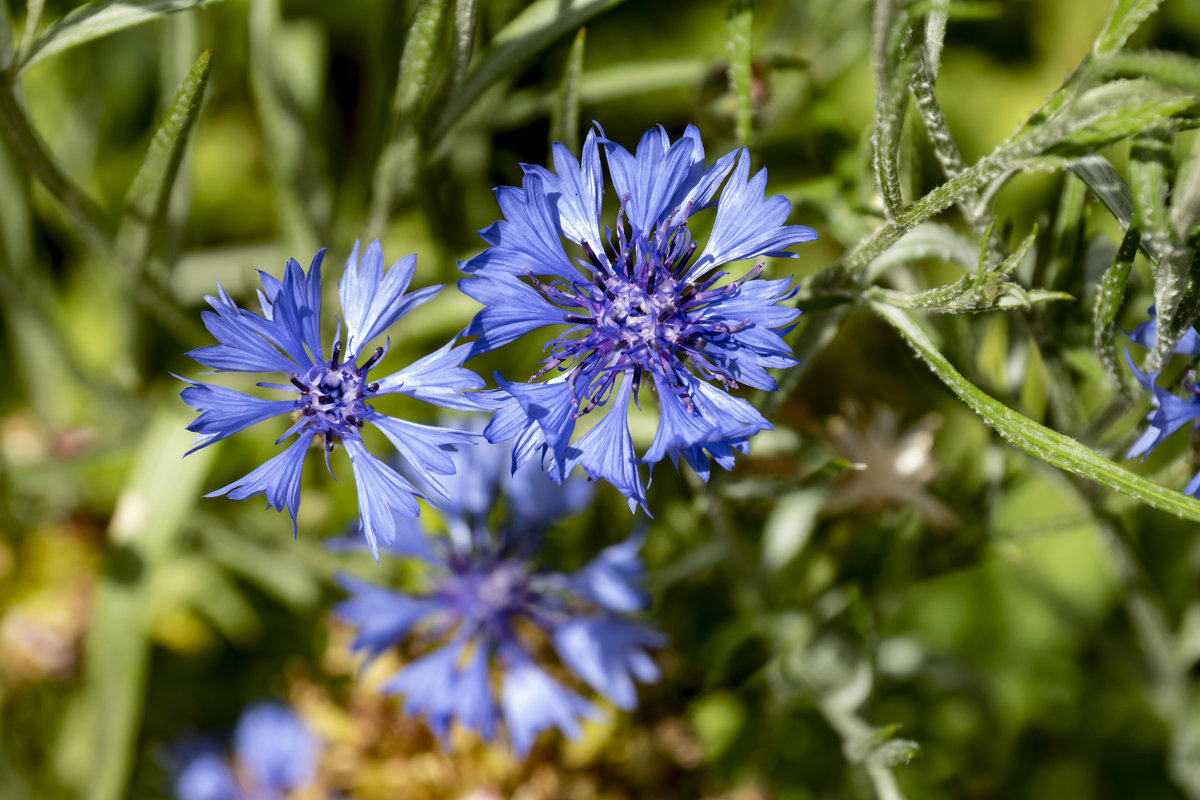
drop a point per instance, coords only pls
(1170, 412)
(638, 303)
(495, 610)
(273, 754)
(331, 397)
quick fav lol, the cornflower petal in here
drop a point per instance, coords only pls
(206, 776)
(371, 300)
(382, 493)
(551, 406)
(428, 687)
(438, 379)
(606, 451)
(278, 479)
(576, 192)
(608, 654)
(748, 224)
(224, 412)
(275, 747)
(532, 701)
(613, 579)
(383, 617)
(511, 310)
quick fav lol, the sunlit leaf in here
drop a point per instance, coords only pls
(98, 19)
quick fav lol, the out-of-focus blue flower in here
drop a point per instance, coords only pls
(1170, 412)
(1144, 332)
(331, 397)
(487, 601)
(638, 304)
(273, 754)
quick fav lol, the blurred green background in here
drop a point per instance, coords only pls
(1036, 637)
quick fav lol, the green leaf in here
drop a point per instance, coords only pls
(99, 19)
(1117, 110)
(1185, 197)
(564, 117)
(533, 29)
(931, 240)
(464, 41)
(1149, 174)
(396, 172)
(1108, 305)
(1108, 185)
(892, 65)
(1169, 69)
(935, 34)
(1125, 18)
(739, 25)
(1039, 441)
(150, 192)
(6, 38)
(149, 517)
(33, 19)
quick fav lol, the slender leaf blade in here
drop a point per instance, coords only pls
(1108, 305)
(1039, 441)
(6, 38)
(533, 29)
(1169, 69)
(1126, 17)
(739, 23)
(564, 117)
(150, 192)
(95, 20)
(1107, 184)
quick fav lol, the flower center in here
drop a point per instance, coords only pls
(333, 396)
(489, 594)
(642, 311)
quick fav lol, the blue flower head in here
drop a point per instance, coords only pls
(273, 754)
(496, 612)
(636, 306)
(331, 397)
(1144, 332)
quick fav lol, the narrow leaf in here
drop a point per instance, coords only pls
(564, 118)
(150, 192)
(1039, 441)
(739, 21)
(396, 173)
(1169, 69)
(1108, 305)
(935, 35)
(1125, 18)
(1149, 175)
(99, 19)
(1117, 110)
(1185, 197)
(149, 517)
(464, 41)
(1108, 185)
(539, 24)
(889, 56)
(6, 38)
(33, 20)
